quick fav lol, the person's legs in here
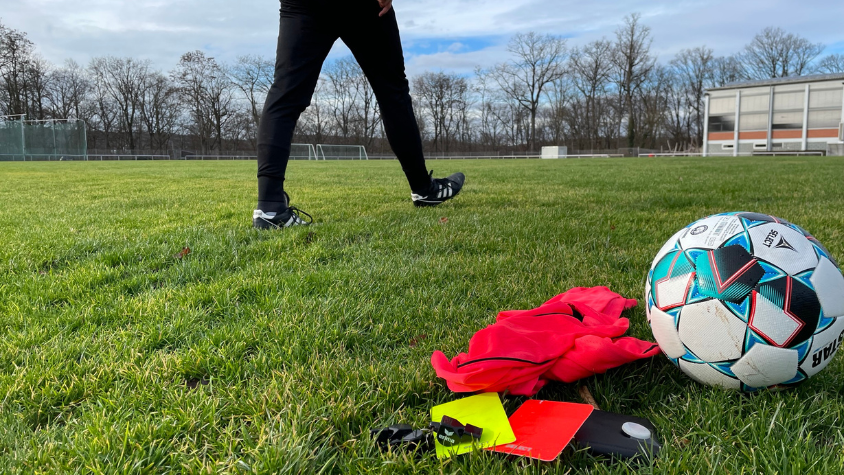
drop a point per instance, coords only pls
(376, 45)
(304, 40)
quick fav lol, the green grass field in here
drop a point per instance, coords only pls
(268, 352)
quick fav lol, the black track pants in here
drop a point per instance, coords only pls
(307, 31)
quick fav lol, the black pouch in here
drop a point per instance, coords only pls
(616, 435)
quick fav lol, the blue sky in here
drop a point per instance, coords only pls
(454, 36)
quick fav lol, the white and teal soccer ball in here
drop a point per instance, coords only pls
(746, 301)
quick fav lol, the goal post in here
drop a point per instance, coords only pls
(53, 139)
(341, 152)
(302, 151)
(12, 139)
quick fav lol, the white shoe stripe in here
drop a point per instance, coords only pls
(443, 193)
(270, 222)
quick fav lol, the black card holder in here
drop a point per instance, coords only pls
(617, 435)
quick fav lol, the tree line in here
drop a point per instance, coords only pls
(606, 94)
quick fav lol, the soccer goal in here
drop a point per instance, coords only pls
(341, 152)
(302, 151)
(54, 139)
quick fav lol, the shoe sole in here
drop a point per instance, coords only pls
(261, 224)
(428, 204)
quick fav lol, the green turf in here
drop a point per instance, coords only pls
(269, 352)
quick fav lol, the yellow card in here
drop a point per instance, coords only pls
(484, 411)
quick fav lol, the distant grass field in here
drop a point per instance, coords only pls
(267, 352)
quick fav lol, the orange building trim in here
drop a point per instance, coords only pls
(789, 134)
(753, 135)
(823, 133)
(721, 136)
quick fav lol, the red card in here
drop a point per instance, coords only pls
(544, 428)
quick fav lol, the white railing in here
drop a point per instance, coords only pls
(673, 154)
(220, 157)
(38, 157)
(120, 157)
(790, 153)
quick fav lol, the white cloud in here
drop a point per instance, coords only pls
(161, 31)
(461, 63)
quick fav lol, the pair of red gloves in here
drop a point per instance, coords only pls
(572, 336)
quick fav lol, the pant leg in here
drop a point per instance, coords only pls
(304, 40)
(375, 43)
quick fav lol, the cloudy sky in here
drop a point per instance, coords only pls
(452, 35)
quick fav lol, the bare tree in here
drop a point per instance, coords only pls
(104, 116)
(253, 75)
(833, 63)
(652, 104)
(489, 134)
(352, 102)
(605, 93)
(591, 69)
(67, 91)
(633, 64)
(442, 98)
(515, 123)
(160, 110)
(36, 77)
(539, 61)
(559, 95)
(314, 123)
(342, 75)
(16, 54)
(694, 69)
(774, 53)
(208, 93)
(367, 114)
(726, 70)
(678, 116)
(124, 81)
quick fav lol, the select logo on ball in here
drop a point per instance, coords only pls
(700, 230)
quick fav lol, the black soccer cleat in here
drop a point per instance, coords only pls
(442, 189)
(291, 216)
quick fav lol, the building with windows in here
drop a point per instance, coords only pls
(794, 114)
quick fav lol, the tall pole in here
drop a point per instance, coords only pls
(705, 124)
(770, 145)
(84, 139)
(737, 125)
(55, 148)
(23, 138)
(806, 119)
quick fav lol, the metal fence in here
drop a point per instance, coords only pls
(42, 140)
(65, 141)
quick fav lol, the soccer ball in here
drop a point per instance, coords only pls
(746, 301)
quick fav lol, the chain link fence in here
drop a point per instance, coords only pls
(42, 140)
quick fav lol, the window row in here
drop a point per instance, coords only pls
(823, 119)
(783, 102)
